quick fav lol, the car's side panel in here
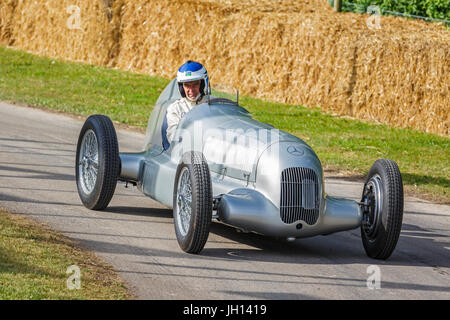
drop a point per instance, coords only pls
(159, 178)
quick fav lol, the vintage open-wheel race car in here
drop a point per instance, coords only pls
(224, 165)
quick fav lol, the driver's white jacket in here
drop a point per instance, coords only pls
(176, 111)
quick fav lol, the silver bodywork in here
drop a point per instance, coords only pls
(268, 181)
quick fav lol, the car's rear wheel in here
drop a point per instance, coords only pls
(97, 165)
(382, 210)
(192, 202)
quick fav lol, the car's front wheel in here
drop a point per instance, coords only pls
(192, 202)
(97, 163)
(382, 210)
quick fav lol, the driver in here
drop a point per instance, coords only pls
(193, 84)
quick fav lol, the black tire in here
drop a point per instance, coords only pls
(96, 196)
(383, 212)
(192, 235)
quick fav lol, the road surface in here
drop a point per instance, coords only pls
(136, 235)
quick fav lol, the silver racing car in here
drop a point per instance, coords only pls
(224, 165)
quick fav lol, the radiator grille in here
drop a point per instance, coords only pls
(299, 195)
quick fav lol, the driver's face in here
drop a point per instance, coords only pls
(192, 89)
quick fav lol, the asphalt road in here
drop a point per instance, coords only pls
(136, 235)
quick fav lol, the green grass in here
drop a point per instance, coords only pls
(77, 88)
(34, 260)
(341, 143)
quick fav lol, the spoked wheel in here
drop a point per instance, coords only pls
(97, 163)
(382, 203)
(88, 162)
(192, 202)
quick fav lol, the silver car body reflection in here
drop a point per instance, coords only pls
(266, 180)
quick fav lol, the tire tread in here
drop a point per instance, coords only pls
(109, 162)
(202, 202)
(385, 244)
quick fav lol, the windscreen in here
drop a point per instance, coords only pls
(223, 93)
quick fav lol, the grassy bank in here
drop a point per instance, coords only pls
(34, 260)
(342, 144)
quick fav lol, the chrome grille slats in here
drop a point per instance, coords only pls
(293, 194)
(299, 195)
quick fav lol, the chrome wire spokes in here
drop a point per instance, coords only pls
(184, 202)
(88, 161)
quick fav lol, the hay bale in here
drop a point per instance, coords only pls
(73, 30)
(294, 51)
(299, 52)
(7, 8)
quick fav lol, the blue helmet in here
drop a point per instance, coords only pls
(193, 71)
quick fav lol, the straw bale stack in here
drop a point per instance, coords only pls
(76, 30)
(390, 70)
